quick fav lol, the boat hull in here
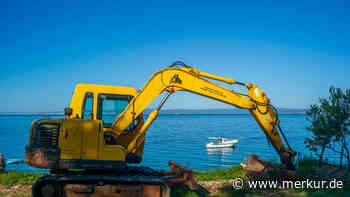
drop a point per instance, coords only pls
(228, 144)
(219, 146)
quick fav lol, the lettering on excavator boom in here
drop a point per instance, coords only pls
(217, 92)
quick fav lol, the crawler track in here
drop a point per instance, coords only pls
(129, 181)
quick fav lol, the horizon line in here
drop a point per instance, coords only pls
(236, 110)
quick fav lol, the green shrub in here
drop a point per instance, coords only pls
(307, 166)
(183, 191)
(19, 178)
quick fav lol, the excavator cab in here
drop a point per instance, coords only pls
(84, 138)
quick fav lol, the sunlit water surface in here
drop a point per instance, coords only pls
(181, 138)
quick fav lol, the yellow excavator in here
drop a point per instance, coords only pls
(104, 129)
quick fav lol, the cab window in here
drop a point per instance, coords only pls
(110, 106)
(88, 106)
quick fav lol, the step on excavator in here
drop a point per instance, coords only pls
(88, 151)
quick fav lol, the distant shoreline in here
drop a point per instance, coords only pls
(170, 112)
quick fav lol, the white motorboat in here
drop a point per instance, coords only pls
(220, 142)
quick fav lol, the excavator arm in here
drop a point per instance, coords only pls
(184, 78)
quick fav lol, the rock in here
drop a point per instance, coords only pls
(2, 163)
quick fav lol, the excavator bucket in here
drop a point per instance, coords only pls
(255, 164)
(256, 168)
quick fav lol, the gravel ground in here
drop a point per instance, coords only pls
(15, 191)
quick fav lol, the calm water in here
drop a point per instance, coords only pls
(181, 138)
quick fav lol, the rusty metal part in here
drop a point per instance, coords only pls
(42, 158)
(256, 164)
(256, 168)
(182, 175)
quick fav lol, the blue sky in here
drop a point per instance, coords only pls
(293, 50)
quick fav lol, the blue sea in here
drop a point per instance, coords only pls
(180, 138)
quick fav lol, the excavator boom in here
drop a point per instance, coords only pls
(175, 78)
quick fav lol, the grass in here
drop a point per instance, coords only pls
(18, 178)
(306, 167)
(186, 192)
(221, 174)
